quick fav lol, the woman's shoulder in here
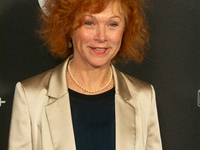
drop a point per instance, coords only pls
(135, 82)
(134, 87)
(34, 90)
(140, 90)
(40, 80)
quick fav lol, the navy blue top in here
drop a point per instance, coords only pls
(93, 118)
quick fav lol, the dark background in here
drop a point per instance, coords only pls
(172, 64)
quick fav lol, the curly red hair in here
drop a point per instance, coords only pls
(58, 25)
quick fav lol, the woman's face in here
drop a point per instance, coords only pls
(98, 40)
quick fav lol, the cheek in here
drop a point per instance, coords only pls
(116, 37)
(84, 36)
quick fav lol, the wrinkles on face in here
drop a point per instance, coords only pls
(101, 31)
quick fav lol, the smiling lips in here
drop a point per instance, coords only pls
(99, 50)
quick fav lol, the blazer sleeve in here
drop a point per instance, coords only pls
(153, 135)
(20, 129)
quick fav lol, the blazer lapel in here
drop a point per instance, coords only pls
(58, 110)
(125, 114)
(60, 124)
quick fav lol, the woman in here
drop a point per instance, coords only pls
(85, 103)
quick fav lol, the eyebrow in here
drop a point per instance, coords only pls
(109, 18)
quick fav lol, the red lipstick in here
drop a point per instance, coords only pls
(99, 50)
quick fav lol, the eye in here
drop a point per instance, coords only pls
(113, 24)
(89, 23)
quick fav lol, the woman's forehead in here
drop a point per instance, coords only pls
(112, 10)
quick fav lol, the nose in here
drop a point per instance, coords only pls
(101, 34)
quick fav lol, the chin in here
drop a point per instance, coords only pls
(98, 64)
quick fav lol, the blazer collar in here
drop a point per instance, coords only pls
(58, 80)
(120, 85)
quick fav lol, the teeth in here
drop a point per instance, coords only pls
(100, 49)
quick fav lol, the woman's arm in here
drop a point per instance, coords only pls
(20, 129)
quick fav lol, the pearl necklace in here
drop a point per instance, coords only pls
(85, 89)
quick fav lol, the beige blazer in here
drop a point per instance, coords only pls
(41, 117)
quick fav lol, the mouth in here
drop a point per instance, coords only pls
(99, 50)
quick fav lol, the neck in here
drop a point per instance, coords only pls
(92, 78)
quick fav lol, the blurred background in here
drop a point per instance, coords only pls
(172, 64)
